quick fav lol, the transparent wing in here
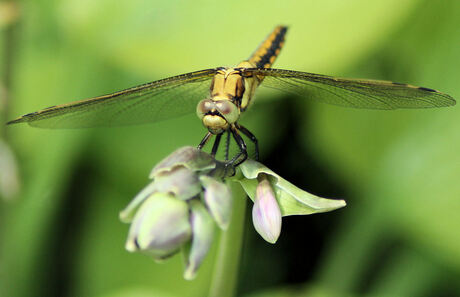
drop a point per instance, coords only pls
(356, 93)
(151, 102)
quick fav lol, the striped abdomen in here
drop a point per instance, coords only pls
(267, 52)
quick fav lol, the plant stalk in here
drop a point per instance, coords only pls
(225, 276)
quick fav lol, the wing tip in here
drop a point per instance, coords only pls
(18, 120)
(452, 101)
(449, 100)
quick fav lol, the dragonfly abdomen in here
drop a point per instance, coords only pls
(267, 52)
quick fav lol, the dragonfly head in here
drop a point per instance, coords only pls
(217, 115)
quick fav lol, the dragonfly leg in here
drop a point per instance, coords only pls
(243, 154)
(252, 138)
(215, 146)
(227, 145)
(204, 140)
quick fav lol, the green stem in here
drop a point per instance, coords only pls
(225, 274)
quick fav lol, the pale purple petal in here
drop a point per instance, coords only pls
(266, 214)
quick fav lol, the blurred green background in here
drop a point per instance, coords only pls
(398, 170)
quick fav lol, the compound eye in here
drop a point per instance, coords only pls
(228, 110)
(204, 106)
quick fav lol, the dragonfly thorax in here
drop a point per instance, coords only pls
(217, 115)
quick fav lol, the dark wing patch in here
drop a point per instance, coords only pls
(151, 102)
(355, 93)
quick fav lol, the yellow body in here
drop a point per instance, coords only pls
(230, 84)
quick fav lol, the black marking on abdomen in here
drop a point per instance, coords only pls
(265, 55)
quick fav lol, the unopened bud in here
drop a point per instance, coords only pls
(161, 225)
(266, 214)
(203, 233)
(218, 199)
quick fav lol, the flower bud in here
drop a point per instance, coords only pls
(266, 214)
(160, 226)
(181, 182)
(218, 199)
(203, 233)
(189, 157)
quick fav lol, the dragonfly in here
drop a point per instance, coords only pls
(220, 95)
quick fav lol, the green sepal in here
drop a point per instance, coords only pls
(291, 199)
